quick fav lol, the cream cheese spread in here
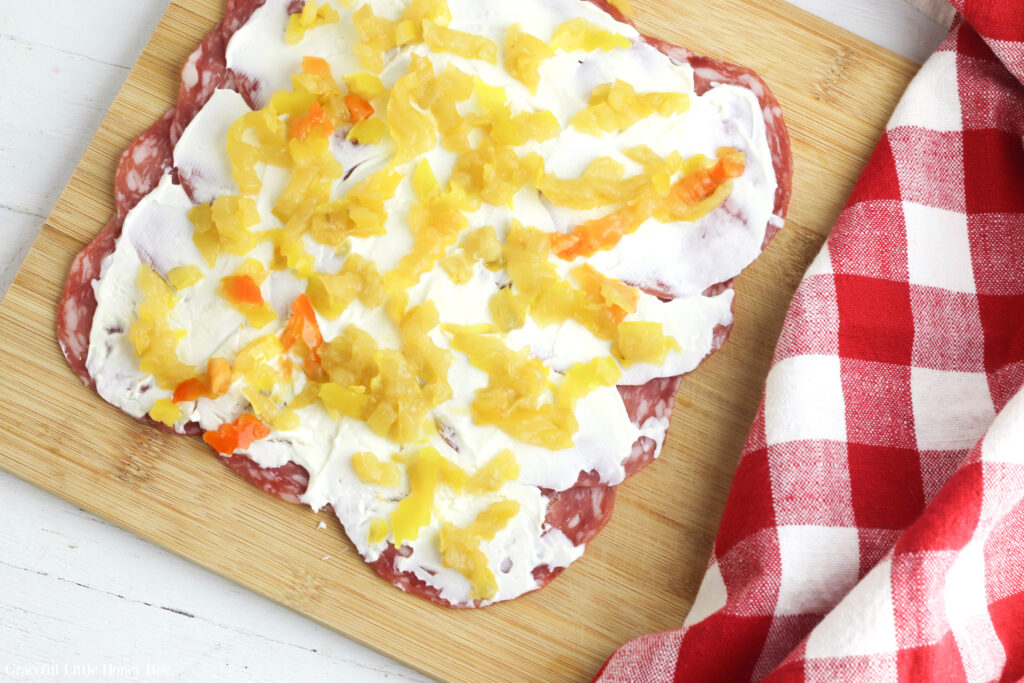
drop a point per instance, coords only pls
(677, 259)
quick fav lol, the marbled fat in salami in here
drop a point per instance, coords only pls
(287, 482)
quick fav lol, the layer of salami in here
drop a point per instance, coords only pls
(578, 514)
(445, 278)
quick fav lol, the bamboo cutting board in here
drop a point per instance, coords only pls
(642, 572)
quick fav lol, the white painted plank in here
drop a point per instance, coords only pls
(78, 592)
(18, 230)
(62, 63)
(110, 31)
(61, 99)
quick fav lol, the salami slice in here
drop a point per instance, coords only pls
(142, 164)
(288, 482)
(146, 159)
(651, 401)
(709, 72)
(78, 304)
(248, 86)
(656, 398)
(579, 513)
(139, 170)
(649, 407)
(206, 69)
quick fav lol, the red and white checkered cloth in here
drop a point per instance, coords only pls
(875, 527)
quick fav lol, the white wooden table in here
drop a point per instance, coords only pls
(80, 598)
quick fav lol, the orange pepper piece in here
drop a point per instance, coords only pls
(312, 366)
(219, 372)
(316, 66)
(302, 326)
(701, 184)
(694, 187)
(729, 166)
(600, 233)
(214, 385)
(242, 289)
(238, 434)
(316, 117)
(607, 231)
(563, 243)
(189, 390)
(358, 108)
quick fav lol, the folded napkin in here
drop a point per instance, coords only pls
(875, 527)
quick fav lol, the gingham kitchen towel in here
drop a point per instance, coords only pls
(875, 527)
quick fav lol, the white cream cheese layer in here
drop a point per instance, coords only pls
(677, 259)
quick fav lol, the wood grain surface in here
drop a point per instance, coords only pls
(639, 575)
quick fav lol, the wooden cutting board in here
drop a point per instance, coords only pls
(640, 575)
